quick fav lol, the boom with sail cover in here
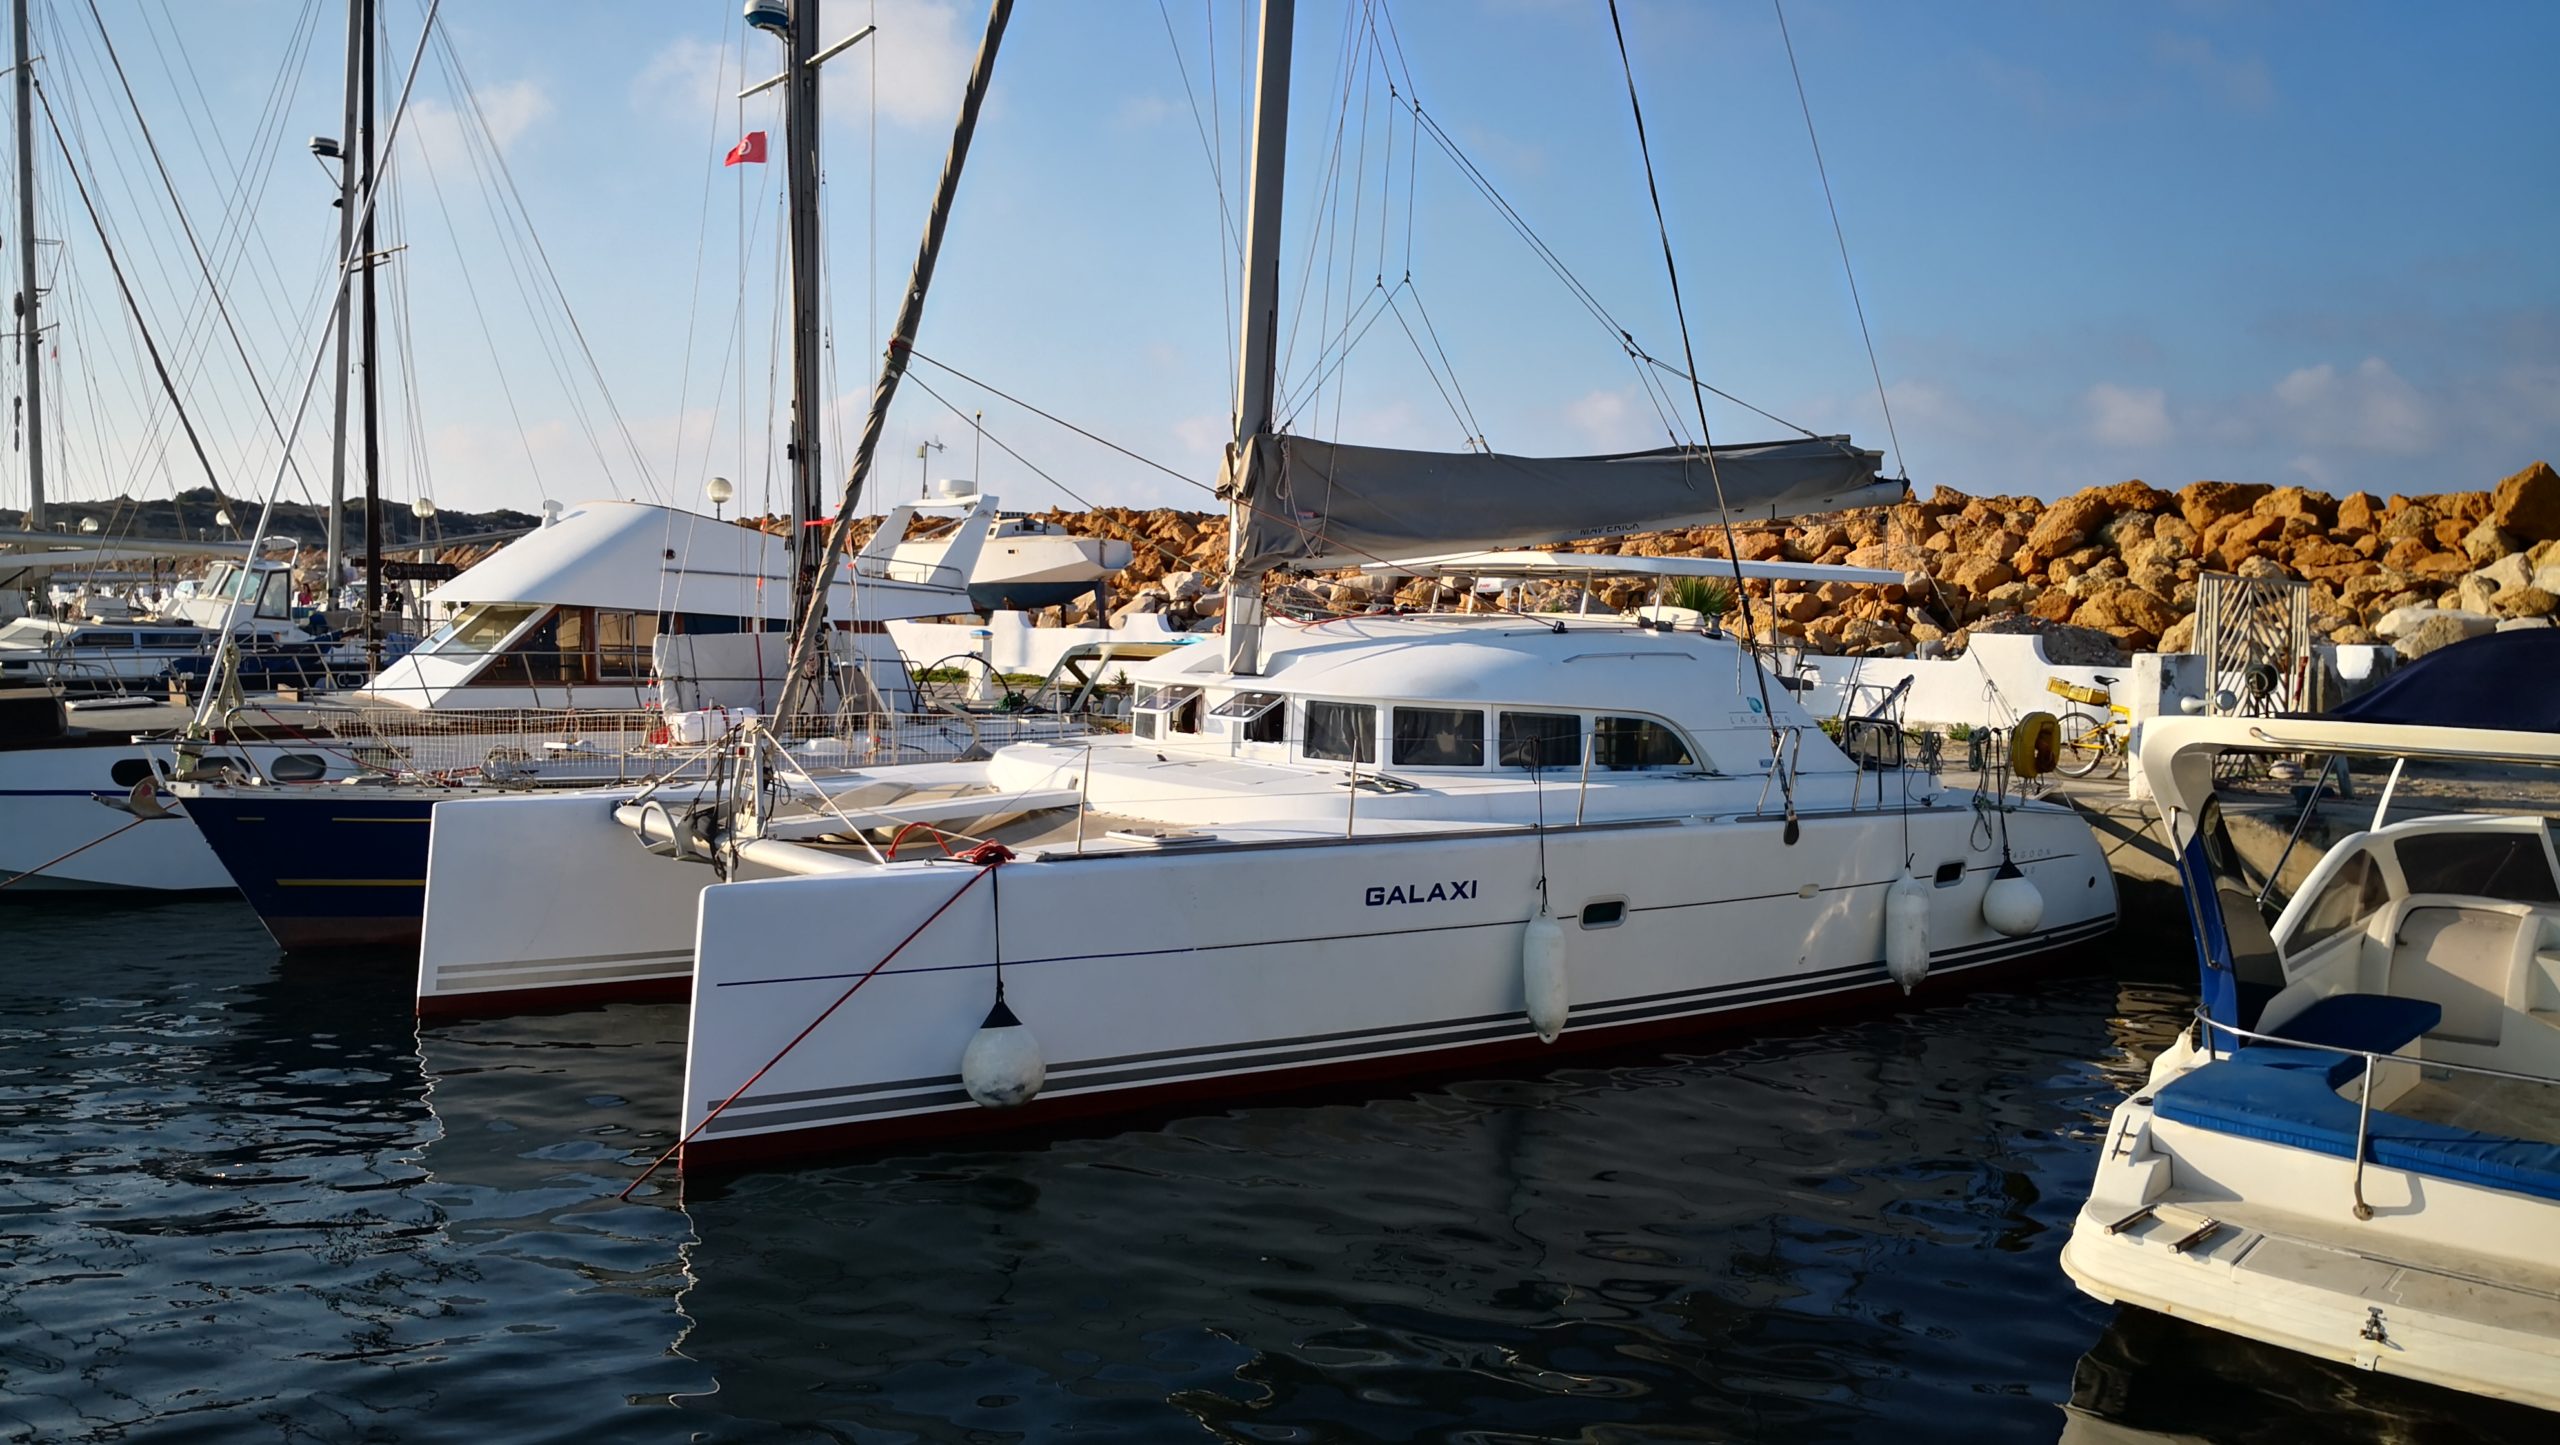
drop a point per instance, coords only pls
(1318, 504)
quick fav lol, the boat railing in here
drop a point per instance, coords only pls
(2372, 1062)
(524, 746)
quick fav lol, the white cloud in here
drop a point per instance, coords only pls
(2241, 81)
(2368, 409)
(1139, 112)
(2128, 416)
(447, 134)
(1605, 419)
(920, 54)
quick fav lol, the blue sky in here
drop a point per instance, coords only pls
(2263, 242)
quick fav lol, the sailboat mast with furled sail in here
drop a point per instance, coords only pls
(1361, 847)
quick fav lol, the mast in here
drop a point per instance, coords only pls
(800, 162)
(1260, 325)
(372, 378)
(30, 328)
(358, 27)
(806, 661)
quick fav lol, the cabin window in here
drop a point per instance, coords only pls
(1264, 718)
(2511, 866)
(2352, 896)
(1177, 703)
(557, 650)
(1342, 732)
(128, 771)
(1439, 737)
(94, 638)
(625, 644)
(1541, 740)
(1622, 743)
(1145, 724)
(481, 628)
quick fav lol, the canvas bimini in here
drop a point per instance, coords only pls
(2355, 1152)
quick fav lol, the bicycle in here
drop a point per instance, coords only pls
(2087, 739)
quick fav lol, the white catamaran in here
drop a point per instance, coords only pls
(1353, 848)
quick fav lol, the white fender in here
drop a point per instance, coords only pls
(1906, 932)
(1002, 1068)
(1542, 977)
(2012, 904)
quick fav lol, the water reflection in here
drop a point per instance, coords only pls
(2153, 1379)
(246, 1199)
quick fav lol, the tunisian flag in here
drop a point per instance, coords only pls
(747, 152)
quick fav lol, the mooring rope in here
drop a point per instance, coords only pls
(988, 858)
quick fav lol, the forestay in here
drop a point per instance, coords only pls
(1318, 504)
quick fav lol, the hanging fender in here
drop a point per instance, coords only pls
(2012, 905)
(1906, 932)
(1542, 975)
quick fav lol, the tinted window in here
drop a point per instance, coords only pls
(2490, 865)
(1144, 724)
(2349, 898)
(1635, 742)
(129, 771)
(1541, 740)
(1342, 731)
(1439, 737)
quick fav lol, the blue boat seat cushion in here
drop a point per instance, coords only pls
(2374, 1022)
(2297, 1105)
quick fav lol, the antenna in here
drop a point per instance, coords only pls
(924, 464)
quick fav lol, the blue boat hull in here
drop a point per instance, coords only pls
(326, 867)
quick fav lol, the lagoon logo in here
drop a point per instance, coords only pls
(1419, 893)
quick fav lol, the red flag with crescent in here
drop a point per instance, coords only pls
(747, 152)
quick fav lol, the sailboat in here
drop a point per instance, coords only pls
(1361, 848)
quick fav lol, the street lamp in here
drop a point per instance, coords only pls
(719, 491)
(222, 518)
(89, 525)
(424, 509)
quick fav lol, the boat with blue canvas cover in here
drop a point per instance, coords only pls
(2355, 1152)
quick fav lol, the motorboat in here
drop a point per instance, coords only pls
(2355, 1151)
(568, 659)
(1025, 563)
(248, 607)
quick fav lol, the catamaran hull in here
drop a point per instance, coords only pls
(1174, 976)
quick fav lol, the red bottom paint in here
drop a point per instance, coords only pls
(574, 995)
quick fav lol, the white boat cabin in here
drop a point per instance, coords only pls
(610, 600)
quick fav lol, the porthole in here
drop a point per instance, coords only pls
(1607, 913)
(129, 771)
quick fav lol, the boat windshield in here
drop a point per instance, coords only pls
(481, 628)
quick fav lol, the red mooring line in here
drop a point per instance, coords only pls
(987, 856)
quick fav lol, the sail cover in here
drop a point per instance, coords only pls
(1316, 504)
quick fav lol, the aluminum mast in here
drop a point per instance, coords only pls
(30, 329)
(1260, 325)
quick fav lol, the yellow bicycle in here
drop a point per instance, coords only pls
(2089, 739)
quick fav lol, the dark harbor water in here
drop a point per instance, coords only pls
(245, 1199)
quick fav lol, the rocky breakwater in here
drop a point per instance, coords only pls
(2115, 567)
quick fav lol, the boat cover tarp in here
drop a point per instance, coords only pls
(1317, 504)
(2504, 680)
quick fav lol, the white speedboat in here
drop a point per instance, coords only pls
(2356, 1151)
(1024, 563)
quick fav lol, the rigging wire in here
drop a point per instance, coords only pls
(1841, 236)
(213, 288)
(1733, 551)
